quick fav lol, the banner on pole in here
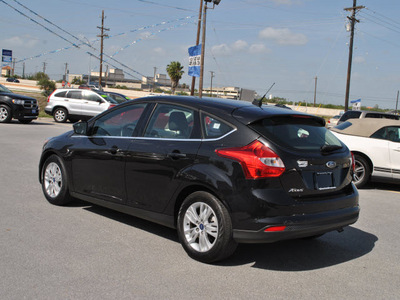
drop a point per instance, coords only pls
(194, 61)
(356, 104)
(6, 57)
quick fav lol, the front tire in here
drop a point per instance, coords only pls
(60, 115)
(5, 114)
(55, 181)
(362, 171)
(205, 228)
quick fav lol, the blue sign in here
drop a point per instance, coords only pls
(194, 61)
(7, 52)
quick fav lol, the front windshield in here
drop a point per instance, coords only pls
(4, 89)
(106, 97)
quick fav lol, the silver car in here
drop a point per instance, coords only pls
(77, 104)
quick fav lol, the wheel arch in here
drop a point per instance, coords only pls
(366, 157)
(59, 106)
(189, 190)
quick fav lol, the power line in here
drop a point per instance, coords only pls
(51, 31)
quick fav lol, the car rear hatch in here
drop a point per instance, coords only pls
(316, 162)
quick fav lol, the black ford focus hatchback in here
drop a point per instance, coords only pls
(221, 172)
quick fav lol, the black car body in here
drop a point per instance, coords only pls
(14, 106)
(219, 171)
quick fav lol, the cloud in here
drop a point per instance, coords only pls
(159, 51)
(21, 41)
(221, 50)
(240, 45)
(283, 36)
(258, 48)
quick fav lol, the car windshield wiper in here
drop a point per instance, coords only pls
(330, 148)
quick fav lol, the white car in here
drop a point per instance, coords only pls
(375, 144)
(77, 104)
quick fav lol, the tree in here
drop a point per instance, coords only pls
(46, 85)
(175, 72)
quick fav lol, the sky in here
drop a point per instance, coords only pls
(250, 44)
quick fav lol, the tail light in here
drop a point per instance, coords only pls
(256, 159)
(111, 106)
(353, 162)
(48, 98)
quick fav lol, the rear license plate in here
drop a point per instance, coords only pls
(324, 181)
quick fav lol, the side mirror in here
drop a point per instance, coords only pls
(81, 128)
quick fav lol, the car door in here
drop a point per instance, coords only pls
(93, 103)
(156, 166)
(73, 101)
(98, 160)
(394, 150)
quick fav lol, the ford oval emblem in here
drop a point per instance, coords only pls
(331, 164)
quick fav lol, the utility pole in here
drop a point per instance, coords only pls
(353, 20)
(44, 67)
(203, 46)
(154, 79)
(102, 36)
(197, 43)
(23, 70)
(66, 73)
(212, 76)
(397, 101)
(315, 91)
(13, 68)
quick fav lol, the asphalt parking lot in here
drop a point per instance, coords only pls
(88, 252)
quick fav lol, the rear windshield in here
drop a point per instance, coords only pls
(106, 97)
(297, 133)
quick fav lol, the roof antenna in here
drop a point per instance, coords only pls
(259, 102)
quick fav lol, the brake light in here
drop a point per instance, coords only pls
(48, 98)
(353, 162)
(111, 106)
(256, 159)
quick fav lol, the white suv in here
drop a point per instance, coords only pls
(77, 104)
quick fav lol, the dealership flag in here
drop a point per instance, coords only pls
(356, 104)
(194, 61)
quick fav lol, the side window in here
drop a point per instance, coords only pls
(74, 95)
(60, 94)
(171, 122)
(350, 115)
(120, 122)
(388, 133)
(90, 96)
(214, 128)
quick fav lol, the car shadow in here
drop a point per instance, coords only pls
(376, 185)
(295, 255)
(305, 254)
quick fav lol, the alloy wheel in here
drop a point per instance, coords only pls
(53, 180)
(200, 226)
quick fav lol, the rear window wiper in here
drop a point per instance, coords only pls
(330, 148)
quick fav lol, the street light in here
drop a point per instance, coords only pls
(203, 43)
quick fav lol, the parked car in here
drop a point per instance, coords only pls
(88, 87)
(376, 148)
(12, 79)
(15, 106)
(120, 98)
(360, 114)
(220, 171)
(333, 121)
(77, 104)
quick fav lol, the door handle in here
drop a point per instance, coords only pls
(176, 155)
(114, 150)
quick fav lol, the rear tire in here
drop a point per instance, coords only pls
(205, 228)
(5, 114)
(60, 115)
(362, 171)
(55, 181)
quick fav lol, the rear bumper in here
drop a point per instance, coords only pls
(299, 226)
